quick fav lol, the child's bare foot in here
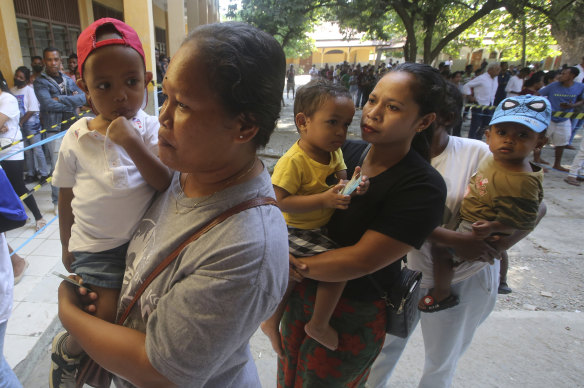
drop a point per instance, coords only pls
(326, 336)
(271, 329)
(560, 168)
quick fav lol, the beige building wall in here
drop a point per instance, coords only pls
(10, 53)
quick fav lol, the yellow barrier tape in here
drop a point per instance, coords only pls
(36, 188)
(44, 130)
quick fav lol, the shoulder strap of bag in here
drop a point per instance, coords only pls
(254, 202)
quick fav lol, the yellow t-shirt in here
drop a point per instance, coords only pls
(299, 174)
(497, 194)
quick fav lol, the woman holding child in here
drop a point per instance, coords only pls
(192, 325)
(402, 206)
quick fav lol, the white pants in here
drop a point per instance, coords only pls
(578, 162)
(447, 333)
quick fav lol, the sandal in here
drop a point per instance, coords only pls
(431, 305)
(40, 223)
(504, 289)
(572, 181)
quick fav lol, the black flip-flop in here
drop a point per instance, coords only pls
(431, 305)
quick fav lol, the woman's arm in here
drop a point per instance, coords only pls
(117, 348)
(373, 252)
(3, 120)
(465, 245)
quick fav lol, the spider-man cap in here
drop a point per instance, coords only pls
(532, 111)
(86, 43)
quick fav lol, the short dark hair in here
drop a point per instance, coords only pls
(449, 114)
(25, 71)
(574, 70)
(3, 83)
(314, 94)
(36, 57)
(247, 68)
(72, 56)
(50, 50)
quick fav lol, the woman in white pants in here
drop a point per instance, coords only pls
(448, 333)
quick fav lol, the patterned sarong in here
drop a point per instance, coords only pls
(361, 328)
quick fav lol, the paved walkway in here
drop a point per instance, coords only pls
(512, 349)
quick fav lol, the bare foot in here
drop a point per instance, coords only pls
(560, 168)
(270, 329)
(19, 265)
(326, 336)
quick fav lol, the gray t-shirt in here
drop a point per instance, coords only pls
(199, 313)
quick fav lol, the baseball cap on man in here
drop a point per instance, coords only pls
(87, 41)
(532, 111)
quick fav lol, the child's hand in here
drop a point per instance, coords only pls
(68, 259)
(482, 229)
(122, 132)
(332, 199)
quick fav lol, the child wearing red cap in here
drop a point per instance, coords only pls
(107, 171)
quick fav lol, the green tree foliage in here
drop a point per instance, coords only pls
(567, 22)
(428, 26)
(288, 21)
(523, 35)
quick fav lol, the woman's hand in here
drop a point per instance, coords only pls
(297, 269)
(71, 296)
(468, 248)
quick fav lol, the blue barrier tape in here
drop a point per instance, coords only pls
(39, 143)
(34, 235)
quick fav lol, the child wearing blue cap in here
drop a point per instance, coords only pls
(505, 193)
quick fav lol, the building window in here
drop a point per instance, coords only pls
(25, 38)
(47, 23)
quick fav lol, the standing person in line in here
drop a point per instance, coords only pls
(37, 65)
(322, 113)
(30, 125)
(484, 88)
(111, 159)
(505, 193)
(192, 325)
(313, 73)
(71, 66)
(290, 81)
(58, 98)
(502, 81)
(354, 86)
(564, 95)
(576, 174)
(475, 281)
(403, 204)
(14, 165)
(577, 123)
(515, 84)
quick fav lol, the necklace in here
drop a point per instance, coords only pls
(231, 180)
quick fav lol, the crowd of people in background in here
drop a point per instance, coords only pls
(483, 88)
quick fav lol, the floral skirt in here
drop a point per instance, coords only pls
(361, 328)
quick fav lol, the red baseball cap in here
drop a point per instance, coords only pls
(86, 43)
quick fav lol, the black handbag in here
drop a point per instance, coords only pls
(402, 302)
